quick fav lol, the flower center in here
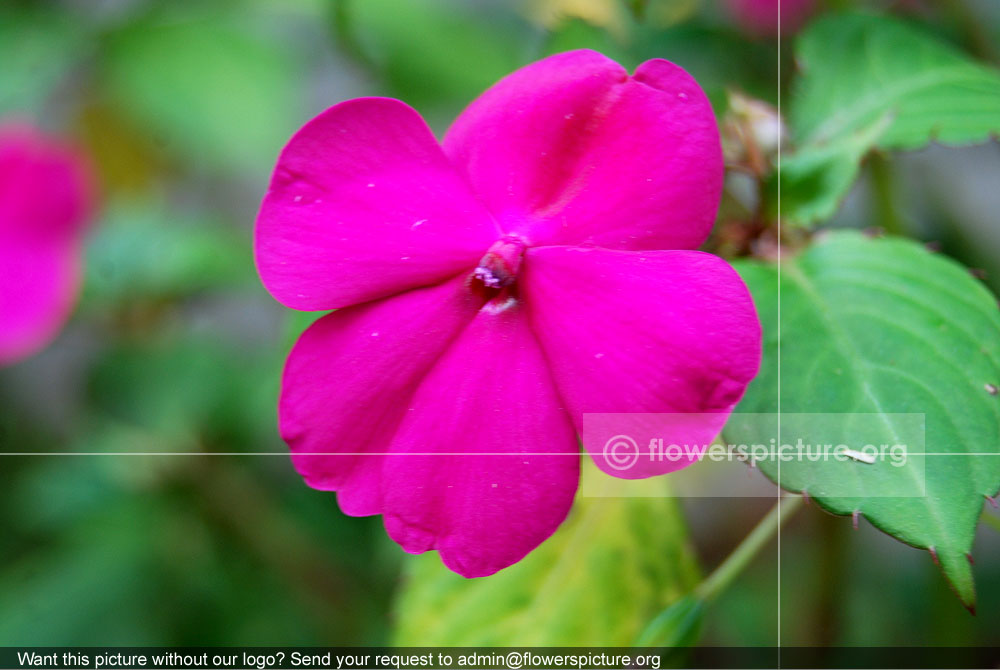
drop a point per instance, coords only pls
(498, 268)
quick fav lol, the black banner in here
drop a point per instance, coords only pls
(484, 658)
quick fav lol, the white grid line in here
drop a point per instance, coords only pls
(384, 453)
(779, 335)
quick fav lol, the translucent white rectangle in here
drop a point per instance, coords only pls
(856, 455)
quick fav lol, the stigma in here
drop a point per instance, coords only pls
(498, 268)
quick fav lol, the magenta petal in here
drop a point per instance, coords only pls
(571, 150)
(656, 331)
(348, 381)
(364, 204)
(504, 464)
(44, 204)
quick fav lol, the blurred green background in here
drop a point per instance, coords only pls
(176, 347)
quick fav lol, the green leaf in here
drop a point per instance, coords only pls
(166, 385)
(632, 553)
(142, 251)
(431, 53)
(38, 49)
(858, 69)
(212, 93)
(179, 388)
(815, 179)
(716, 57)
(64, 595)
(884, 327)
(576, 33)
(677, 626)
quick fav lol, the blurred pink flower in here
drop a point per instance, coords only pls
(495, 288)
(760, 17)
(44, 205)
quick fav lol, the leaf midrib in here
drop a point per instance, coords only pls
(854, 357)
(889, 97)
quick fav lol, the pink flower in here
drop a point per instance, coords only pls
(760, 17)
(495, 288)
(44, 203)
